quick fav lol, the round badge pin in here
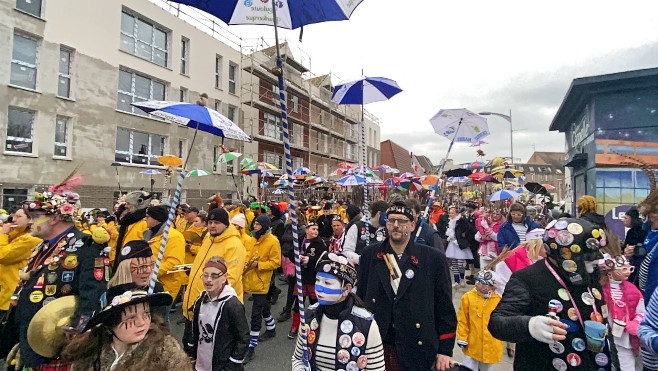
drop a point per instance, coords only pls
(345, 341)
(346, 326)
(575, 228)
(351, 366)
(564, 238)
(552, 233)
(553, 246)
(358, 339)
(36, 296)
(597, 317)
(575, 249)
(596, 233)
(565, 253)
(604, 311)
(556, 304)
(562, 293)
(573, 359)
(569, 266)
(578, 344)
(409, 273)
(551, 224)
(362, 361)
(314, 324)
(601, 359)
(571, 325)
(571, 313)
(311, 337)
(48, 300)
(592, 243)
(561, 224)
(556, 347)
(343, 356)
(356, 351)
(596, 293)
(125, 251)
(559, 364)
(587, 298)
(70, 235)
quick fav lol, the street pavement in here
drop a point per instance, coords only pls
(275, 354)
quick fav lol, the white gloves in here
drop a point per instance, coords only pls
(546, 329)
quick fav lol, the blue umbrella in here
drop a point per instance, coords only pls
(503, 195)
(301, 171)
(351, 180)
(301, 13)
(365, 90)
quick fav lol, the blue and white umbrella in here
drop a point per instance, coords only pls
(457, 179)
(365, 90)
(151, 172)
(460, 125)
(301, 171)
(194, 116)
(351, 180)
(503, 195)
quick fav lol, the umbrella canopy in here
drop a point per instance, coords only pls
(194, 116)
(507, 173)
(548, 187)
(345, 165)
(196, 173)
(150, 172)
(407, 174)
(315, 180)
(503, 195)
(259, 168)
(351, 180)
(365, 90)
(170, 160)
(228, 156)
(460, 125)
(278, 191)
(476, 164)
(497, 161)
(411, 185)
(536, 188)
(458, 179)
(281, 183)
(429, 181)
(458, 172)
(291, 14)
(478, 143)
(301, 171)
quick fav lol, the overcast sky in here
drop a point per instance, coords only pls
(482, 55)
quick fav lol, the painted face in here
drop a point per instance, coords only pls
(328, 288)
(135, 322)
(41, 225)
(141, 270)
(213, 281)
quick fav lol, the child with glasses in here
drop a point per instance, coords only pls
(625, 304)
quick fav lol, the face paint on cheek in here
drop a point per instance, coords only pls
(326, 295)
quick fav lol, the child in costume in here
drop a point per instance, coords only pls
(481, 350)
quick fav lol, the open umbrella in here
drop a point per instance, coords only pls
(196, 173)
(150, 172)
(457, 179)
(458, 172)
(170, 161)
(407, 174)
(301, 171)
(315, 180)
(200, 118)
(503, 195)
(351, 180)
(507, 173)
(429, 181)
(536, 188)
(476, 164)
(548, 187)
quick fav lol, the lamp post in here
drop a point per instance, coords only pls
(511, 129)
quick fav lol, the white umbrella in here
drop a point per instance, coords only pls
(460, 125)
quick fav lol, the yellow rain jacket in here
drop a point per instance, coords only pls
(228, 246)
(134, 232)
(472, 322)
(15, 250)
(267, 251)
(114, 235)
(249, 215)
(191, 252)
(174, 254)
(180, 223)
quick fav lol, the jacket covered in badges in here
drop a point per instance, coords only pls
(267, 252)
(70, 265)
(15, 249)
(228, 246)
(420, 319)
(527, 294)
(472, 332)
(174, 254)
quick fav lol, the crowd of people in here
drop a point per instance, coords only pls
(556, 291)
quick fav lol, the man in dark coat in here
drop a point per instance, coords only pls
(428, 235)
(407, 287)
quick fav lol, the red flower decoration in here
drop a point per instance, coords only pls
(380, 255)
(414, 260)
(66, 209)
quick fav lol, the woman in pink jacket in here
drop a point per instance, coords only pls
(488, 224)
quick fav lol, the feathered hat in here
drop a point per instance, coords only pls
(649, 205)
(59, 199)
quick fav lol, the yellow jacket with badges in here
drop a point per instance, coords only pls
(228, 246)
(472, 322)
(267, 251)
(15, 250)
(174, 254)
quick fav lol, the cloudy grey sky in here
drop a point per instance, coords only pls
(482, 55)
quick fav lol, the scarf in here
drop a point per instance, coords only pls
(336, 243)
(128, 220)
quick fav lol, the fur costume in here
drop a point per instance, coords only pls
(158, 351)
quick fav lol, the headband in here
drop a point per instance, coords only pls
(400, 209)
(216, 264)
(338, 266)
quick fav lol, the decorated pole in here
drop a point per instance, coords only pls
(430, 199)
(291, 191)
(364, 156)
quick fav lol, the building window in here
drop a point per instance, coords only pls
(232, 77)
(20, 130)
(12, 197)
(61, 136)
(136, 147)
(230, 167)
(143, 39)
(184, 55)
(65, 60)
(24, 61)
(181, 148)
(218, 71)
(32, 7)
(215, 157)
(136, 88)
(230, 114)
(295, 103)
(273, 127)
(274, 159)
(182, 96)
(218, 105)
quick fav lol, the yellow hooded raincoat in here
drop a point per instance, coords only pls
(15, 250)
(267, 250)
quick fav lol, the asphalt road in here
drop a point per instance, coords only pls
(275, 354)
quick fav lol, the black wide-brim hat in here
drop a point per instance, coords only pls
(125, 295)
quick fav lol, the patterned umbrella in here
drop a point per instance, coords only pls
(503, 195)
(196, 173)
(301, 171)
(407, 175)
(411, 185)
(351, 180)
(315, 180)
(228, 156)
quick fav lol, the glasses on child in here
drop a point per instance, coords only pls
(143, 268)
(627, 269)
(213, 276)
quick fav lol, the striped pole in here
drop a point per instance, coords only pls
(291, 191)
(165, 233)
(364, 167)
(425, 215)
